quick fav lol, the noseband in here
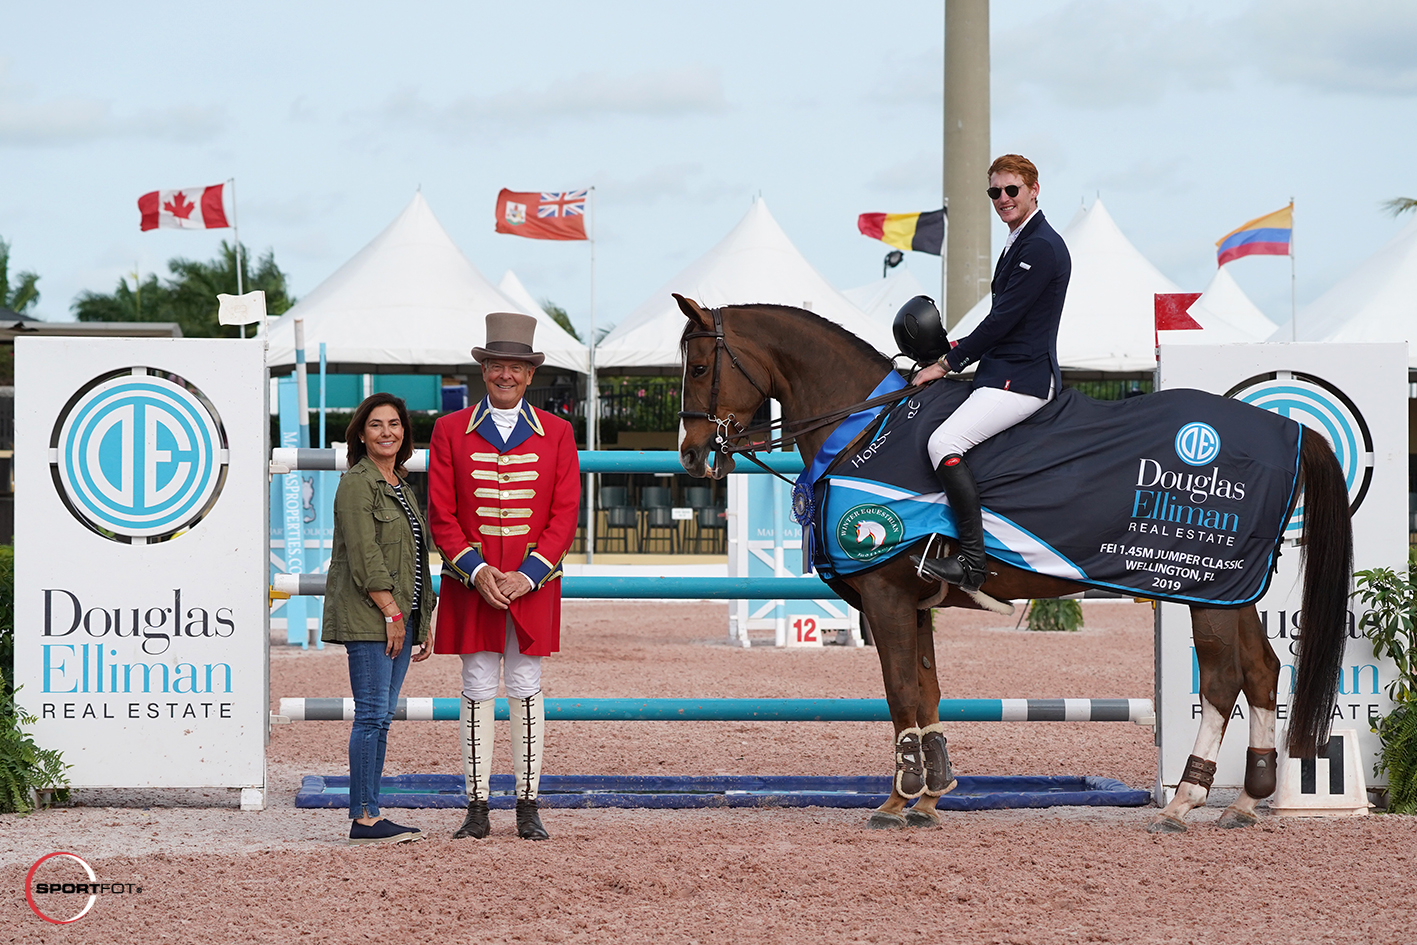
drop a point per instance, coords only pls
(726, 428)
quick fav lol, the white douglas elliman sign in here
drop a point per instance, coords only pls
(140, 567)
(1355, 396)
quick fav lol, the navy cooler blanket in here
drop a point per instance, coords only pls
(1179, 495)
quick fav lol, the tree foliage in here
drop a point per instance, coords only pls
(1390, 624)
(189, 295)
(22, 295)
(1400, 205)
(561, 318)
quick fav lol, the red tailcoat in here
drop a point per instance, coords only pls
(510, 503)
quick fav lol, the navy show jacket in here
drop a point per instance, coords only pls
(1016, 344)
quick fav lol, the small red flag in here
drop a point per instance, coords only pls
(192, 208)
(1173, 312)
(543, 215)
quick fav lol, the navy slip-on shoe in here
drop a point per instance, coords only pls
(382, 831)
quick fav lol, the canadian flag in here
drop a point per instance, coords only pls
(191, 208)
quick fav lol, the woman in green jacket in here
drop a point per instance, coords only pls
(378, 598)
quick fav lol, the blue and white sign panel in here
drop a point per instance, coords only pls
(141, 455)
(765, 541)
(1355, 396)
(141, 627)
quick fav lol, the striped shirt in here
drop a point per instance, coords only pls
(417, 549)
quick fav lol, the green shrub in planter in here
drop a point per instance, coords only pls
(1391, 599)
(1054, 615)
(24, 766)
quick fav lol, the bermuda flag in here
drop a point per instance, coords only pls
(191, 208)
(543, 215)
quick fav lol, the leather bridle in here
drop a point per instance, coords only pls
(728, 429)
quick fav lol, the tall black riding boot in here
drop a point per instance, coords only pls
(967, 569)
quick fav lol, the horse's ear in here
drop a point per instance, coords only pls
(694, 312)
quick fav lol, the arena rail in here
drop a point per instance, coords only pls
(1138, 711)
(287, 459)
(620, 587)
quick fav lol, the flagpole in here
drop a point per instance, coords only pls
(1293, 291)
(236, 236)
(592, 399)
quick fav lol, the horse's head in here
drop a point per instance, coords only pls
(707, 415)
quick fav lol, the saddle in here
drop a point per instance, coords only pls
(1178, 495)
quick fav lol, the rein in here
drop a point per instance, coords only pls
(729, 429)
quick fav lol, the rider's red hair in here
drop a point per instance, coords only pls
(1015, 164)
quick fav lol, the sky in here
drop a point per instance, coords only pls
(1186, 118)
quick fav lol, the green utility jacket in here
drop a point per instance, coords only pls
(373, 551)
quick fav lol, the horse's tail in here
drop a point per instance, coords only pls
(1328, 572)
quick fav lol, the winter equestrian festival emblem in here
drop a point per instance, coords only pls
(139, 455)
(869, 531)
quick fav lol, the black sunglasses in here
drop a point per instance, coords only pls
(994, 192)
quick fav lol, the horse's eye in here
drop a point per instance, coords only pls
(700, 370)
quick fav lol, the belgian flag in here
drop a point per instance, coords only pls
(922, 232)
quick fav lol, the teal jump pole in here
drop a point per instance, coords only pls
(751, 710)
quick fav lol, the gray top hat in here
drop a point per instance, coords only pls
(509, 336)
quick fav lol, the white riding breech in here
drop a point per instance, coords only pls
(987, 411)
(521, 673)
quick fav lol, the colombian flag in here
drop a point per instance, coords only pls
(922, 232)
(1269, 235)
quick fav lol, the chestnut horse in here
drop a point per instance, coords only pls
(737, 357)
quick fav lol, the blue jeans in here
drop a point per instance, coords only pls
(375, 680)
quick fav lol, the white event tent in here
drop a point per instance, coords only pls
(1109, 321)
(881, 299)
(1376, 302)
(755, 262)
(409, 299)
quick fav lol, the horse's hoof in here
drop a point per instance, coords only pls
(1234, 817)
(882, 820)
(1165, 823)
(921, 818)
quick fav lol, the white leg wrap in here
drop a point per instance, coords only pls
(528, 743)
(477, 717)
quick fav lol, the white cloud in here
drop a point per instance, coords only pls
(693, 90)
(683, 182)
(1362, 46)
(923, 173)
(1104, 53)
(1148, 176)
(28, 121)
(913, 80)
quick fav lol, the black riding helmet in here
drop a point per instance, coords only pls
(920, 331)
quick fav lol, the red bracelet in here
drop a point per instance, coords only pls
(388, 619)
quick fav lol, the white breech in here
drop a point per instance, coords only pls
(987, 411)
(522, 674)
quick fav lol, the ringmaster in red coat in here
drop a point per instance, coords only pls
(503, 502)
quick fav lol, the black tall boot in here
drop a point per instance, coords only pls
(967, 569)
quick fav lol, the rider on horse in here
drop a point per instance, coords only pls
(1016, 347)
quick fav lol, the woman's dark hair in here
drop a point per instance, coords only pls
(354, 444)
